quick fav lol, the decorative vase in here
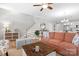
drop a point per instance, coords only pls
(36, 48)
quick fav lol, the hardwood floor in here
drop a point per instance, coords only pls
(12, 44)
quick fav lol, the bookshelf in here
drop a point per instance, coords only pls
(11, 35)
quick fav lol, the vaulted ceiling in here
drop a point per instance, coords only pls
(59, 12)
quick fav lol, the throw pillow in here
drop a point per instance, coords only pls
(46, 35)
(75, 40)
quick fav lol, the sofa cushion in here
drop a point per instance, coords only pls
(54, 42)
(51, 35)
(69, 37)
(59, 35)
(69, 47)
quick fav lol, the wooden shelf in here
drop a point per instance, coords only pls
(11, 36)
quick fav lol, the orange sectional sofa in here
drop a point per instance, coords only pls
(62, 42)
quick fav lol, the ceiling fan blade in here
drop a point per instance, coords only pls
(49, 7)
(37, 5)
(41, 9)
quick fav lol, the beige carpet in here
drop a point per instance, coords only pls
(12, 51)
(15, 52)
(19, 52)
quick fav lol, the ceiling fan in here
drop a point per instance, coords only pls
(45, 5)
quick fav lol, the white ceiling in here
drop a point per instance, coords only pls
(60, 10)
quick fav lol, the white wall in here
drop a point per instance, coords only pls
(17, 21)
(36, 26)
(59, 28)
(25, 23)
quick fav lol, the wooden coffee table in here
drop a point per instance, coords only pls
(44, 49)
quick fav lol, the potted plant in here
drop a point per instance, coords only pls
(37, 33)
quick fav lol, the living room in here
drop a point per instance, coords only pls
(36, 29)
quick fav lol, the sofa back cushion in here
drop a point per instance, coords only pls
(69, 37)
(51, 35)
(59, 35)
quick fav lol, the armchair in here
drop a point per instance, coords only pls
(4, 45)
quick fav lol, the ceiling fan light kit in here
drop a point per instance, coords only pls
(45, 6)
